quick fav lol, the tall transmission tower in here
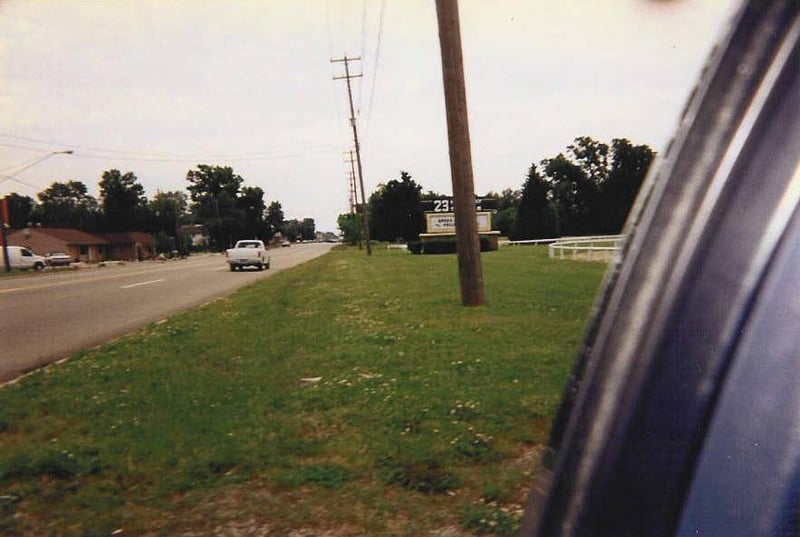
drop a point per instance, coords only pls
(347, 76)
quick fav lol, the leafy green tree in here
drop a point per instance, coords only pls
(275, 218)
(207, 183)
(20, 210)
(592, 157)
(573, 196)
(535, 217)
(395, 210)
(67, 204)
(228, 227)
(308, 229)
(588, 190)
(506, 209)
(122, 200)
(166, 211)
(629, 166)
(291, 229)
(214, 191)
(350, 227)
(251, 204)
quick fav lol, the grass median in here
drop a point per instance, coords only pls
(348, 396)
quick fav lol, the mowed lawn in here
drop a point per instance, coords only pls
(348, 396)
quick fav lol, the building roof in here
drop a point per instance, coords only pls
(74, 237)
(41, 239)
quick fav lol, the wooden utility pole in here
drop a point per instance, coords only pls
(5, 222)
(347, 76)
(470, 270)
(354, 194)
(351, 181)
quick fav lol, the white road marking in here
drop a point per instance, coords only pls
(141, 283)
(91, 276)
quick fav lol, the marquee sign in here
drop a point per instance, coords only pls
(445, 223)
(447, 205)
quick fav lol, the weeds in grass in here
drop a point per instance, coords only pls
(489, 518)
(423, 475)
(331, 476)
(475, 448)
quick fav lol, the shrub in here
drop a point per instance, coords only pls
(448, 245)
(439, 246)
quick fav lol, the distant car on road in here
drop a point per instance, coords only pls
(286, 244)
(58, 259)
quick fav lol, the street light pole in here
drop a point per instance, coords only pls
(35, 162)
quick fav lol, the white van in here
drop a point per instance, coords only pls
(21, 258)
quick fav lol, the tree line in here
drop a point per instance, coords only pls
(586, 190)
(217, 199)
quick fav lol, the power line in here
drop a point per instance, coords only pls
(143, 156)
(362, 51)
(20, 169)
(24, 167)
(211, 157)
(328, 26)
(363, 27)
(375, 65)
(4, 178)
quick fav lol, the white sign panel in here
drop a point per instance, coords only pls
(446, 222)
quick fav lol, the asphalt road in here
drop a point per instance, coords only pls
(48, 316)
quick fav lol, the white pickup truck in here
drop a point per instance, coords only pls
(249, 253)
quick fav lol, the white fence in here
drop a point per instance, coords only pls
(525, 242)
(597, 248)
(594, 248)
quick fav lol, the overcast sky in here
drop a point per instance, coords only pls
(157, 87)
